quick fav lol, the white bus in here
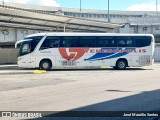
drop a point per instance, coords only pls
(55, 50)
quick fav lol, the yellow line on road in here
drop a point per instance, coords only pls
(104, 66)
(39, 71)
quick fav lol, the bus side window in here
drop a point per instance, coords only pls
(100, 42)
(66, 43)
(69, 41)
(105, 41)
(86, 41)
(142, 41)
(54, 43)
(112, 43)
(121, 43)
(129, 43)
(45, 45)
(50, 42)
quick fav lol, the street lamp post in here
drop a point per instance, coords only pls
(3, 2)
(108, 12)
(80, 6)
(157, 7)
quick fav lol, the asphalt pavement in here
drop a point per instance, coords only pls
(96, 89)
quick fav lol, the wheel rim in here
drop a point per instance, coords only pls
(45, 65)
(121, 65)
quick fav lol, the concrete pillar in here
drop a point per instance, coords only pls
(64, 28)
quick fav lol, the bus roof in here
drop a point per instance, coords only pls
(87, 34)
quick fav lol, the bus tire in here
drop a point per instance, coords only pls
(121, 64)
(45, 65)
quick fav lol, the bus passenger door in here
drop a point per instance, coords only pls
(30, 61)
(25, 61)
(33, 60)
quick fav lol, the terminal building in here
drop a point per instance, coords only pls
(14, 27)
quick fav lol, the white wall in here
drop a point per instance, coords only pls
(126, 29)
(157, 54)
(8, 55)
(7, 34)
(22, 33)
(13, 34)
(141, 29)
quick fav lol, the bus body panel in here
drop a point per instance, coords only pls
(58, 61)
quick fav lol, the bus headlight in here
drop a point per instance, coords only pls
(19, 59)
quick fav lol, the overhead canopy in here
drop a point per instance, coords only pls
(18, 18)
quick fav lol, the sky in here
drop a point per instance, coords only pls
(129, 5)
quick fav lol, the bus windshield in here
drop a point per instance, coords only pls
(29, 46)
(25, 48)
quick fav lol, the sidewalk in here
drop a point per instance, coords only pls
(13, 69)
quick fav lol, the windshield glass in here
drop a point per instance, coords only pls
(29, 46)
(25, 48)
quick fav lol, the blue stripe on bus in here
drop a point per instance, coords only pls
(103, 56)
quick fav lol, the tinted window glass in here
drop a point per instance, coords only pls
(142, 41)
(125, 41)
(68, 41)
(34, 42)
(130, 42)
(121, 43)
(50, 42)
(25, 48)
(87, 41)
(105, 42)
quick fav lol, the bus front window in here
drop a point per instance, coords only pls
(25, 48)
(29, 46)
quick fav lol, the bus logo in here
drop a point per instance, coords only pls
(72, 54)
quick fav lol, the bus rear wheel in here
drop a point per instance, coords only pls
(121, 65)
(45, 65)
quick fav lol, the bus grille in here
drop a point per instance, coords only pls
(145, 60)
(68, 63)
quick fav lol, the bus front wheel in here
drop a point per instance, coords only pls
(45, 65)
(121, 65)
